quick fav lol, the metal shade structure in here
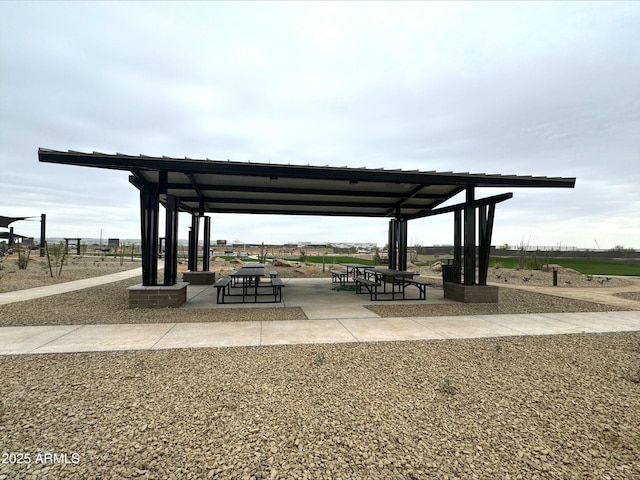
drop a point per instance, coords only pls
(6, 221)
(200, 186)
(214, 186)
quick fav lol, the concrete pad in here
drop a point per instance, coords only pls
(215, 334)
(302, 292)
(388, 329)
(21, 340)
(337, 311)
(464, 327)
(198, 293)
(283, 332)
(99, 338)
(600, 321)
(535, 324)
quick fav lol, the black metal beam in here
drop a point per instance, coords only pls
(196, 187)
(298, 202)
(149, 235)
(486, 231)
(470, 237)
(171, 241)
(392, 248)
(206, 234)
(402, 244)
(457, 245)
(193, 243)
(43, 233)
(405, 198)
(460, 206)
(307, 191)
(271, 211)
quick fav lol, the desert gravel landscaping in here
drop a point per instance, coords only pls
(561, 407)
(565, 406)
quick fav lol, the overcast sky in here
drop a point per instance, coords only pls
(523, 88)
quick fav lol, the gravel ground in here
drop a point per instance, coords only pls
(635, 296)
(560, 407)
(37, 273)
(509, 301)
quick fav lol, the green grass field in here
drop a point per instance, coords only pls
(332, 259)
(582, 265)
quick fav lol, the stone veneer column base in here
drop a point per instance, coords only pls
(157, 296)
(199, 278)
(471, 293)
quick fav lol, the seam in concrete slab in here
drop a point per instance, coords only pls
(162, 336)
(350, 332)
(425, 327)
(585, 329)
(57, 338)
(508, 327)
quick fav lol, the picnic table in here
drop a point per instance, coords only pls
(355, 269)
(248, 280)
(397, 279)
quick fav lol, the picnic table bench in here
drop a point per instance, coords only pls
(222, 287)
(277, 284)
(370, 285)
(421, 284)
(339, 276)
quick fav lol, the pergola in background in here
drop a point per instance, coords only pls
(213, 186)
(5, 222)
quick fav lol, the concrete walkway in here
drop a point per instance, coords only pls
(58, 288)
(157, 336)
(330, 321)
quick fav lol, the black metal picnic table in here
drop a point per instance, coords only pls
(355, 269)
(250, 277)
(395, 277)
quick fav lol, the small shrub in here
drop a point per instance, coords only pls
(633, 374)
(318, 359)
(447, 386)
(23, 258)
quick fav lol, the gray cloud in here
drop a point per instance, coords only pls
(515, 88)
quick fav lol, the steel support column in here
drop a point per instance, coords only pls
(470, 237)
(457, 244)
(43, 232)
(393, 241)
(149, 203)
(207, 244)
(486, 230)
(193, 243)
(402, 244)
(171, 241)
